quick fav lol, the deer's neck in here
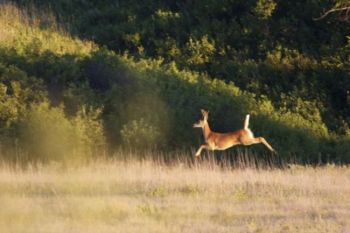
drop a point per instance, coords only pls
(206, 130)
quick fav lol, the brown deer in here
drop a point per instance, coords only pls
(223, 141)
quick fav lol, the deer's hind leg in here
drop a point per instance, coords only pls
(263, 141)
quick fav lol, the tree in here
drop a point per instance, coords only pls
(341, 9)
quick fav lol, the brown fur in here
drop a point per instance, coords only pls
(223, 141)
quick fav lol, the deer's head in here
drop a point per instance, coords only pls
(201, 123)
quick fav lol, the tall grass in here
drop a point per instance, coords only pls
(20, 27)
(128, 195)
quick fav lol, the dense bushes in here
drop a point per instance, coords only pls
(266, 47)
(66, 99)
(46, 134)
(31, 130)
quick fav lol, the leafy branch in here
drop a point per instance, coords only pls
(345, 10)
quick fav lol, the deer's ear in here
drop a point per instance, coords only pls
(205, 112)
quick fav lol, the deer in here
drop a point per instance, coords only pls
(223, 141)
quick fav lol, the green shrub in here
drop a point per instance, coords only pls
(17, 92)
(46, 134)
(139, 134)
(232, 58)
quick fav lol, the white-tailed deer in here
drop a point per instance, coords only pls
(223, 141)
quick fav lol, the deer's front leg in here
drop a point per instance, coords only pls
(204, 146)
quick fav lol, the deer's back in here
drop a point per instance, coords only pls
(226, 140)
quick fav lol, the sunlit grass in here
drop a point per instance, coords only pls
(145, 196)
(38, 30)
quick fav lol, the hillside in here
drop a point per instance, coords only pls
(85, 78)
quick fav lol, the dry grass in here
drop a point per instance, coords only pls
(21, 29)
(148, 197)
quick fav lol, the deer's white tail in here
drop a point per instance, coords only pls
(246, 122)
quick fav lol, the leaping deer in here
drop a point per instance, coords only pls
(223, 141)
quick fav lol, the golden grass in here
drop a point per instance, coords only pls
(144, 196)
(23, 28)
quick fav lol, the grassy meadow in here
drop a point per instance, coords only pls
(148, 196)
(80, 80)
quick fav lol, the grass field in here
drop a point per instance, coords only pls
(145, 196)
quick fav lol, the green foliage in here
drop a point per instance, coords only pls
(199, 51)
(46, 134)
(139, 134)
(265, 8)
(17, 92)
(158, 63)
(89, 132)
